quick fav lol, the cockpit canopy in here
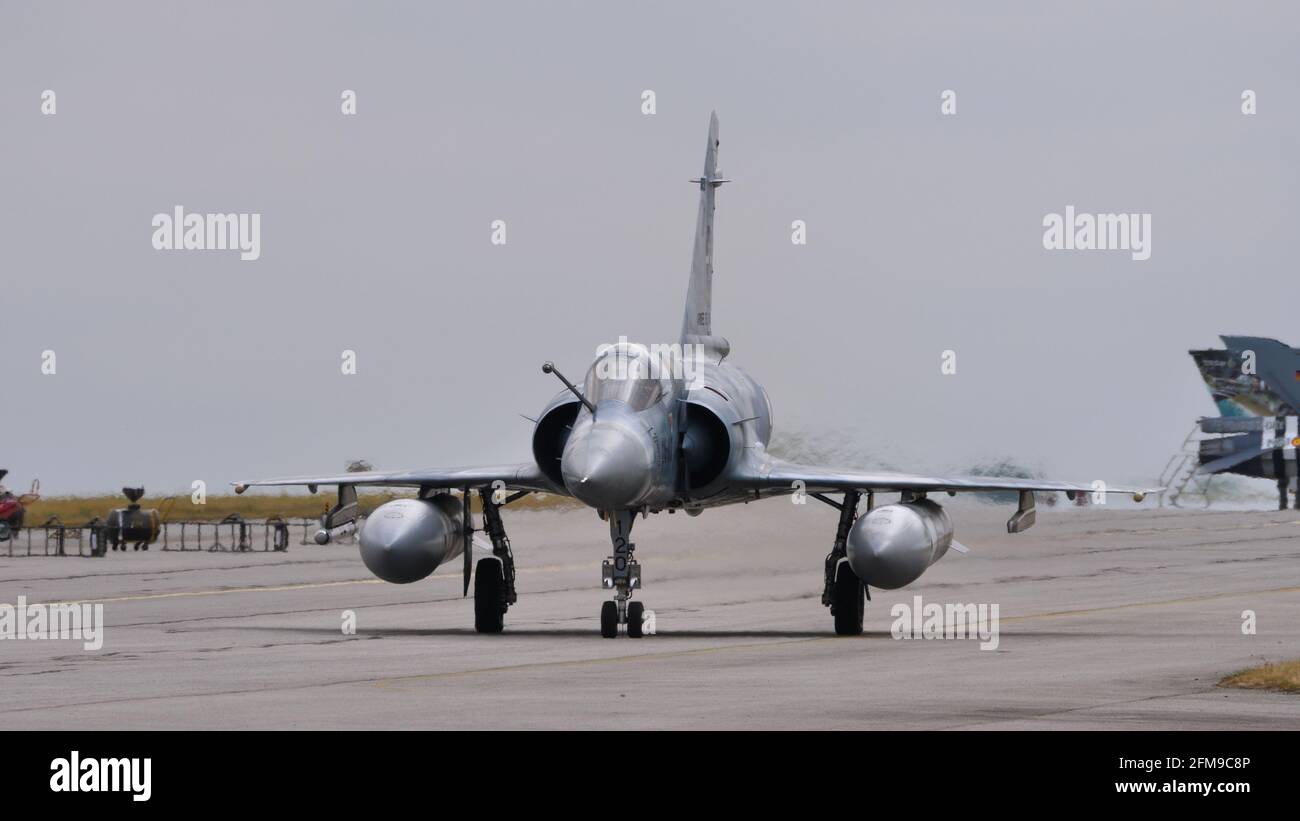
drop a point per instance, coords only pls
(627, 372)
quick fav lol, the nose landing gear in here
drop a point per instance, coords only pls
(622, 574)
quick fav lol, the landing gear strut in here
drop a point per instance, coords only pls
(494, 578)
(622, 574)
(844, 593)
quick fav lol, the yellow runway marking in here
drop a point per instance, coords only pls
(180, 594)
(421, 677)
(317, 585)
(1138, 605)
(395, 682)
(220, 591)
(418, 677)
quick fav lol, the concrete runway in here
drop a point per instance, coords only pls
(1110, 618)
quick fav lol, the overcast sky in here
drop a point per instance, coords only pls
(924, 231)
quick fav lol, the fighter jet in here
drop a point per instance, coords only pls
(676, 427)
(1255, 384)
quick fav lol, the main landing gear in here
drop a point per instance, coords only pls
(622, 574)
(494, 577)
(844, 593)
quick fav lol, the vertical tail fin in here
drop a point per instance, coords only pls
(1277, 366)
(697, 324)
(1253, 376)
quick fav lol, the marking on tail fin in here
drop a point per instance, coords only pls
(1267, 388)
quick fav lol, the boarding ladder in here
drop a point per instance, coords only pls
(1180, 472)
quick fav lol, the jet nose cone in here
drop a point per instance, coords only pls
(608, 468)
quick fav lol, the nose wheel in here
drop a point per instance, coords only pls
(635, 619)
(621, 573)
(614, 613)
(609, 620)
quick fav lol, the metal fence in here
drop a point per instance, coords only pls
(234, 534)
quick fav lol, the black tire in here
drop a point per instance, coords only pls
(849, 602)
(489, 597)
(635, 617)
(609, 620)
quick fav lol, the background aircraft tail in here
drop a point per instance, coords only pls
(1273, 389)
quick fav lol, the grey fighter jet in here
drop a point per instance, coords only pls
(1257, 407)
(653, 429)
